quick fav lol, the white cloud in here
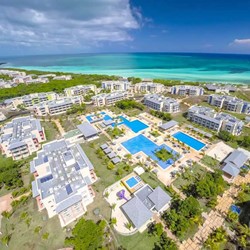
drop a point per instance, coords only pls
(240, 42)
(80, 23)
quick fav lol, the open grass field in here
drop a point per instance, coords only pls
(51, 131)
(210, 162)
(23, 235)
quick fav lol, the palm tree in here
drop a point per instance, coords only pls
(6, 239)
(128, 226)
(244, 230)
(6, 214)
(113, 221)
(242, 240)
(113, 206)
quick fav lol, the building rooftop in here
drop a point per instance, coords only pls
(168, 125)
(87, 130)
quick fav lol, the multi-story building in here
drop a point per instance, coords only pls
(220, 88)
(22, 79)
(161, 103)
(29, 101)
(187, 90)
(148, 87)
(109, 98)
(79, 90)
(63, 77)
(229, 103)
(38, 80)
(63, 179)
(21, 137)
(121, 85)
(207, 117)
(58, 106)
(12, 73)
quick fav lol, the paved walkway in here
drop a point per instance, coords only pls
(59, 126)
(217, 216)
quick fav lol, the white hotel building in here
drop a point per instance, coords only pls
(109, 98)
(58, 106)
(21, 137)
(63, 179)
(79, 90)
(161, 103)
(187, 90)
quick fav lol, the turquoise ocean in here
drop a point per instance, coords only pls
(223, 68)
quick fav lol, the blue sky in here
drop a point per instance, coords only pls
(87, 26)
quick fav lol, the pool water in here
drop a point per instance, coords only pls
(136, 125)
(131, 182)
(142, 143)
(188, 140)
(104, 117)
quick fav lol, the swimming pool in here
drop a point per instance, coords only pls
(188, 140)
(142, 143)
(132, 181)
(103, 116)
(136, 125)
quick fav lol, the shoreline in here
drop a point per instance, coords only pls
(157, 76)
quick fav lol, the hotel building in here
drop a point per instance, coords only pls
(63, 77)
(187, 90)
(229, 103)
(121, 85)
(207, 117)
(57, 107)
(80, 90)
(109, 98)
(63, 179)
(148, 87)
(161, 103)
(21, 137)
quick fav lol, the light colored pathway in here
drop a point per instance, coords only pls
(59, 126)
(217, 216)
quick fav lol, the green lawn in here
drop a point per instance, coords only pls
(163, 154)
(67, 124)
(210, 162)
(25, 237)
(51, 131)
(138, 241)
(155, 133)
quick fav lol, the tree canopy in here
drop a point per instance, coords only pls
(87, 235)
(129, 104)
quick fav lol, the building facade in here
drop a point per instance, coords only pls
(21, 137)
(207, 117)
(160, 103)
(63, 178)
(120, 85)
(187, 90)
(229, 103)
(58, 106)
(79, 90)
(109, 98)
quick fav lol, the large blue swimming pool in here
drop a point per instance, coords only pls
(136, 125)
(104, 116)
(142, 143)
(188, 140)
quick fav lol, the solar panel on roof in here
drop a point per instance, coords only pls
(77, 167)
(46, 178)
(69, 189)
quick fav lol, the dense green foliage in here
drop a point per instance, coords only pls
(20, 191)
(53, 85)
(176, 82)
(10, 173)
(182, 215)
(5, 77)
(163, 154)
(208, 186)
(76, 109)
(216, 238)
(86, 235)
(162, 115)
(243, 141)
(129, 104)
(114, 132)
(165, 243)
(134, 80)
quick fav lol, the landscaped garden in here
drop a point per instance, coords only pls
(163, 154)
(115, 132)
(210, 162)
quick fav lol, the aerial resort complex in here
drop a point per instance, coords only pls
(135, 161)
(124, 125)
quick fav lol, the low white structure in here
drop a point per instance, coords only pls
(63, 77)
(63, 179)
(79, 90)
(58, 106)
(21, 137)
